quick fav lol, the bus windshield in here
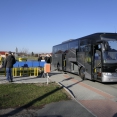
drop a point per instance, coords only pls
(110, 56)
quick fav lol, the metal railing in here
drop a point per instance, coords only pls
(25, 68)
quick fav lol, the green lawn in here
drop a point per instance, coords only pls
(30, 95)
(28, 57)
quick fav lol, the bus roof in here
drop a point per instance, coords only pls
(94, 35)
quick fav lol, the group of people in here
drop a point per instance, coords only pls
(10, 61)
(47, 58)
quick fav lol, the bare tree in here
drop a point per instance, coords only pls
(32, 54)
(36, 55)
(24, 51)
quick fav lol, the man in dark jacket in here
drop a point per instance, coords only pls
(8, 64)
(46, 58)
(50, 58)
(40, 58)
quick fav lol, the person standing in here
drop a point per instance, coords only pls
(1, 61)
(40, 58)
(46, 58)
(50, 58)
(8, 64)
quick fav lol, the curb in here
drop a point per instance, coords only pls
(68, 90)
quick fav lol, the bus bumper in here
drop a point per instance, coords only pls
(109, 77)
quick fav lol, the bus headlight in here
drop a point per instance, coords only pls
(107, 74)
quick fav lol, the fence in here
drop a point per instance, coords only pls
(28, 68)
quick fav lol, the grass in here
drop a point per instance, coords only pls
(30, 95)
(28, 57)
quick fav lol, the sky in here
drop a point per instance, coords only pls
(37, 25)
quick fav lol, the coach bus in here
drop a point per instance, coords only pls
(92, 57)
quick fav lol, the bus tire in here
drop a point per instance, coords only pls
(82, 74)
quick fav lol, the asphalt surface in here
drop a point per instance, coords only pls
(86, 99)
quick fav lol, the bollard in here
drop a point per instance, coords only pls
(47, 77)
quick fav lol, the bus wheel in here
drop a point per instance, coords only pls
(82, 75)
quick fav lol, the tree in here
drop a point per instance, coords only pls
(24, 52)
(16, 50)
(36, 55)
(32, 54)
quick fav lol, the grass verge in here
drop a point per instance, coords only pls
(30, 95)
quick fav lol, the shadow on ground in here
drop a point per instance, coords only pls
(28, 105)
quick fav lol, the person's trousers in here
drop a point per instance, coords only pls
(9, 74)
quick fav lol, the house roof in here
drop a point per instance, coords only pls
(3, 52)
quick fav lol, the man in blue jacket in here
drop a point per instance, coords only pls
(8, 64)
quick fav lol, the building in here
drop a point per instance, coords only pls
(3, 53)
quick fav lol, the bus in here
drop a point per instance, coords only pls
(92, 57)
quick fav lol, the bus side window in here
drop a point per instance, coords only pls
(116, 57)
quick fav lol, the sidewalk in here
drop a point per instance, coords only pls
(97, 102)
(24, 79)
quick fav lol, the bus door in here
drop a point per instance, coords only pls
(64, 62)
(97, 66)
(88, 59)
